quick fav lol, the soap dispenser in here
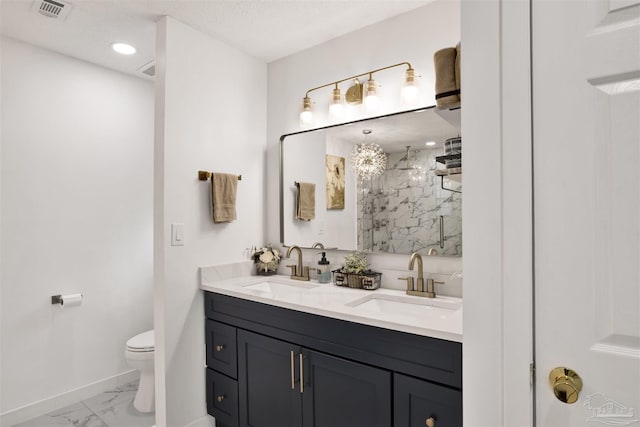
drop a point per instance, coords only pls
(324, 270)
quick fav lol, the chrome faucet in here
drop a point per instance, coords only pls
(297, 271)
(430, 291)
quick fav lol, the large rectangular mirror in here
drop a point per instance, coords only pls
(414, 205)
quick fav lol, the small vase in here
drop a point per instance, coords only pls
(265, 269)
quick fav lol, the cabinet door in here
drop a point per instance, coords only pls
(416, 400)
(221, 348)
(341, 393)
(268, 383)
(222, 399)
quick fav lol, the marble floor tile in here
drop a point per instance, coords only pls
(76, 415)
(125, 415)
(111, 398)
(113, 408)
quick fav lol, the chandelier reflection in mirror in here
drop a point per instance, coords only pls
(368, 159)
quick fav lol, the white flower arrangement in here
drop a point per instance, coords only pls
(267, 257)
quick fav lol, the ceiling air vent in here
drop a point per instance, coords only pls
(149, 69)
(52, 8)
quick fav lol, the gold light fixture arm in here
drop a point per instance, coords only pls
(369, 73)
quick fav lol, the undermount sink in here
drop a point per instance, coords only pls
(406, 305)
(277, 287)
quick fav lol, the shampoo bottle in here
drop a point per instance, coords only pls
(324, 270)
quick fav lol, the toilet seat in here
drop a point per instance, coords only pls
(141, 343)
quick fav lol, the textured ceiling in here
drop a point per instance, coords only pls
(266, 29)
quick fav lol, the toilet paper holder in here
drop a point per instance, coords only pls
(59, 299)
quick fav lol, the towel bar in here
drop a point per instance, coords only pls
(204, 175)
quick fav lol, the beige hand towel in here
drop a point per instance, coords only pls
(223, 196)
(458, 71)
(445, 64)
(306, 201)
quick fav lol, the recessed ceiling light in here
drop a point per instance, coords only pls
(430, 143)
(123, 48)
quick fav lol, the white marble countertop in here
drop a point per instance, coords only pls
(439, 317)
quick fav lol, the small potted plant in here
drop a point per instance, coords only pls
(266, 260)
(355, 273)
(355, 262)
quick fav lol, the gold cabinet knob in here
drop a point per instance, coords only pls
(430, 422)
(566, 384)
(220, 397)
(219, 347)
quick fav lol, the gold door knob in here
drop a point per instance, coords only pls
(566, 384)
(220, 397)
(430, 422)
(219, 347)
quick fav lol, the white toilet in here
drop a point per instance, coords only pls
(139, 354)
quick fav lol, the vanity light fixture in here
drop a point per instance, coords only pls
(335, 108)
(123, 48)
(371, 95)
(357, 93)
(409, 88)
(306, 116)
(430, 143)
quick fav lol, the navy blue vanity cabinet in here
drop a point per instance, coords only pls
(268, 382)
(221, 348)
(341, 393)
(222, 398)
(415, 401)
(281, 384)
(297, 369)
(221, 379)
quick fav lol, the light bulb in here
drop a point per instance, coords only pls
(371, 95)
(409, 88)
(306, 116)
(335, 109)
(409, 93)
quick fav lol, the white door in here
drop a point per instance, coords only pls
(586, 121)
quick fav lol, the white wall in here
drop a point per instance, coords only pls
(304, 170)
(412, 37)
(338, 232)
(497, 238)
(329, 225)
(210, 115)
(77, 145)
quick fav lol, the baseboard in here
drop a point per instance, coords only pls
(205, 421)
(36, 409)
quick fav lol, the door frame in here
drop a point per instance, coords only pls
(498, 345)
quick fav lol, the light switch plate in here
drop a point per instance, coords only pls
(177, 234)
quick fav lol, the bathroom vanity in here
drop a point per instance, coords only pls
(322, 356)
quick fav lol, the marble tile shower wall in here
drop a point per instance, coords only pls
(402, 208)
